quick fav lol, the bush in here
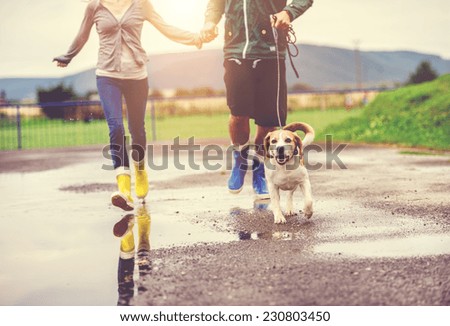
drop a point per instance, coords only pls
(59, 93)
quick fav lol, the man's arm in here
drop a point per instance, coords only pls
(214, 12)
(283, 19)
(297, 8)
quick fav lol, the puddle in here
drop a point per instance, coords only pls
(413, 246)
(58, 246)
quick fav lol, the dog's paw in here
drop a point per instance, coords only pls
(279, 219)
(308, 212)
(290, 212)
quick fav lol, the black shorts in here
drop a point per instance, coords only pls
(252, 90)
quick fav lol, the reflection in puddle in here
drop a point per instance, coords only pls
(127, 260)
(273, 235)
(421, 245)
(258, 225)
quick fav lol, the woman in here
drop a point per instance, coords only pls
(121, 71)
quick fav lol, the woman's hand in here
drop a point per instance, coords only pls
(198, 41)
(60, 62)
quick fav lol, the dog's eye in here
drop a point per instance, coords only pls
(273, 141)
(288, 140)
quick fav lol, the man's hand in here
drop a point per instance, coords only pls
(281, 20)
(208, 32)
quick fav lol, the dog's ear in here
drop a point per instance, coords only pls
(298, 145)
(267, 145)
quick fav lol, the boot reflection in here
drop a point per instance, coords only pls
(261, 204)
(126, 261)
(242, 217)
(124, 229)
(143, 253)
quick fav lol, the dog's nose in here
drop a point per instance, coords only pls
(280, 150)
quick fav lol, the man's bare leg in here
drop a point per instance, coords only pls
(239, 129)
(261, 133)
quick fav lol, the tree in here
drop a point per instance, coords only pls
(59, 93)
(155, 94)
(424, 73)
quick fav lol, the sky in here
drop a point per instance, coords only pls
(32, 32)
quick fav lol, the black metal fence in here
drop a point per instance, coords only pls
(27, 126)
(77, 123)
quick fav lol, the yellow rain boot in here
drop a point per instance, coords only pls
(141, 186)
(127, 246)
(122, 198)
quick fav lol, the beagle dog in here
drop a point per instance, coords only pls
(285, 170)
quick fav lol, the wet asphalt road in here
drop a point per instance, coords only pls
(379, 236)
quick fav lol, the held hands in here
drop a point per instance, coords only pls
(281, 20)
(209, 32)
(198, 42)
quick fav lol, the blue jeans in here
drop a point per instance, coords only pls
(135, 93)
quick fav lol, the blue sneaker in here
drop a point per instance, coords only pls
(236, 180)
(259, 180)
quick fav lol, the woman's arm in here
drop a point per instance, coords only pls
(81, 38)
(171, 32)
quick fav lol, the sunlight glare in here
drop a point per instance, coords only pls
(187, 14)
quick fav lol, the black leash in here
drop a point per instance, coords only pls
(291, 39)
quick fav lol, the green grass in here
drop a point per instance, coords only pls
(414, 116)
(216, 126)
(44, 133)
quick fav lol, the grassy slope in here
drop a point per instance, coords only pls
(416, 115)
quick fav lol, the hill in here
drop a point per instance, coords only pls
(416, 115)
(319, 66)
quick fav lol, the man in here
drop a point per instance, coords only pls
(251, 74)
